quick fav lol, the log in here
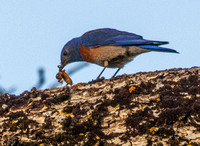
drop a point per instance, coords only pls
(149, 108)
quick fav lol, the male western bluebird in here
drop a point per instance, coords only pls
(108, 48)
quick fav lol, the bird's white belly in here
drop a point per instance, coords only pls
(116, 56)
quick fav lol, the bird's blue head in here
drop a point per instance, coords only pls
(70, 52)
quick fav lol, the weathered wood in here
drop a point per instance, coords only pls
(161, 107)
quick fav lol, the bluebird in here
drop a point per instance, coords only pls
(109, 48)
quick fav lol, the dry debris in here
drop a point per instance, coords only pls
(63, 75)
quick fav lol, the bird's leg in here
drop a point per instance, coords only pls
(116, 72)
(101, 73)
(105, 65)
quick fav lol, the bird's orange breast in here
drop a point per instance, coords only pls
(86, 53)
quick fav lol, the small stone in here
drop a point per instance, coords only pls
(4, 106)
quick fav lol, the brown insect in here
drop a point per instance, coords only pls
(63, 75)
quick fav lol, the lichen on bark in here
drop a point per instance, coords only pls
(161, 107)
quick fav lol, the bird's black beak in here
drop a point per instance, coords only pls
(60, 67)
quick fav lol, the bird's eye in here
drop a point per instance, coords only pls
(65, 53)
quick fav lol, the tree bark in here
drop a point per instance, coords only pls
(161, 108)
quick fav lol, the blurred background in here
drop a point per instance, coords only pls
(32, 34)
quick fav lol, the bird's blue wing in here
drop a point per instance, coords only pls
(138, 42)
(113, 37)
(108, 37)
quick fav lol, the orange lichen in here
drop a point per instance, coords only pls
(117, 106)
(189, 143)
(131, 89)
(68, 114)
(158, 99)
(153, 130)
(151, 119)
(13, 121)
(97, 137)
(63, 75)
(89, 117)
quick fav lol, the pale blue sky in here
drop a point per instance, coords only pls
(33, 32)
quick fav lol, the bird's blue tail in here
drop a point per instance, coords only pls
(158, 49)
